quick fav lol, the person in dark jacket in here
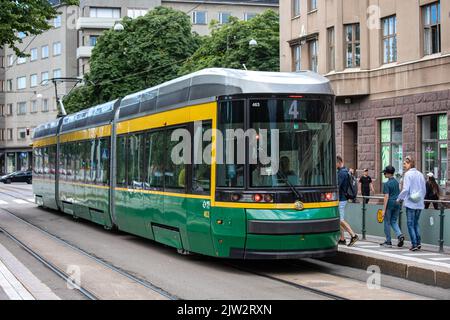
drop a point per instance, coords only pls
(432, 191)
(343, 182)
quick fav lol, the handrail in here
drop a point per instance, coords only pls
(441, 217)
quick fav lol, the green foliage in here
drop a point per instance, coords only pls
(228, 45)
(149, 51)
(28, 16)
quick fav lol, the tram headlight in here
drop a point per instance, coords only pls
(235, 197)
(329, 196)
(257, 197)
(268, 198)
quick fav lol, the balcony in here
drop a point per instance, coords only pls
(96, 23)
(84, 52)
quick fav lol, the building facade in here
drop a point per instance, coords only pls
(29, 98)
(98, 15)
(389, 64)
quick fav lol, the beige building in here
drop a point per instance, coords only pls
(29, 99)
(389, 65)
(98, 15)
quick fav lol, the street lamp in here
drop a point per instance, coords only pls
(118, 26)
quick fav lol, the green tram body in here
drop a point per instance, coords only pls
(87, 164)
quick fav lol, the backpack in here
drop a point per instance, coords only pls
(351, 190)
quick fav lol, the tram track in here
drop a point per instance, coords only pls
(290, 283)
(77, 249)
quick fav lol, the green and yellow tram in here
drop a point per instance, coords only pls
(114, 164)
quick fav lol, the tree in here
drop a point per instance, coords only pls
(228, 45)
(27, 16)
(149, 51)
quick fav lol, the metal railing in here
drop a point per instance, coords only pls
(441, 203)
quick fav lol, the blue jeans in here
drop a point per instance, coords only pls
(413, 216)
(391, 220)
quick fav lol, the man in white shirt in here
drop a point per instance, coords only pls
(413, 195)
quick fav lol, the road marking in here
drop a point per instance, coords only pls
(20, 201)
(397, 256)
(440, 259)
(368, 247)
(3, 202)
(421, 254)
(395, 250)
(12, 287)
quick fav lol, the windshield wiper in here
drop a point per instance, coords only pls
(291, 186)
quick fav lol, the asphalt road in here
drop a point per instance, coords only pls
(196, 277)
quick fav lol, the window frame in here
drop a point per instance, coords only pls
(354, 42)
(428, 48)
(331, 49)
(313, 47)
(194, 18)
(296, 8)
(297, 58)
(391, 144)
(387, 36)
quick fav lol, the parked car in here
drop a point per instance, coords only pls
(18, 176)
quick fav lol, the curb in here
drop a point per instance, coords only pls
(393, 268)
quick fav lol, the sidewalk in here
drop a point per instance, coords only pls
(17, 282)
(426, 266)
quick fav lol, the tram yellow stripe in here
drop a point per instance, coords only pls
(311, 205)
(44, 142)
(200, 112)
(86, 134)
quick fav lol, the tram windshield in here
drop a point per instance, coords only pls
(305, 144)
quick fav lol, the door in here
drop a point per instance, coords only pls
(350, 145)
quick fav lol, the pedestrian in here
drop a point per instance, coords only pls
(413, 195)
(354, 183)
(391, 209)
(344, 186)
(432, 191)
(366, 185)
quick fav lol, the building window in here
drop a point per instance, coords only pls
(135, 13)
(199, 17)
(391, 146)
(389, 39)
(434, 146)
(312, 5)
(10, 60)
(2, 110)
(21, 134)
(33, 80)
(45, 105)
(21, 60)
(34, 106)
(56, 48)
(331, 49)
(352, 46)
(21, 83)
(297, 57)
(9, 109)
(295, 8)
(44, 78)
(249, 15)
(10, 134)
(44, 52)
(57, 73)
(96, 12)
(224, 17)
(57, 22)
(93, 40)
(21, 108)
(9, 85)
(21, 35)
(314, 55)
(2, 62)
(33, 54)
(431, 15)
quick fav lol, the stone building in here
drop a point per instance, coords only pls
(389, 64)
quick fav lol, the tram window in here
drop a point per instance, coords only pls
(81, 168)
(69, 161)
(91, 161)
(103, 150)
(135, 160)
(62, 161)
(201, 173)
(121, 160)
(231, 117)
(174, 174)
(154, 148)
(52, 161)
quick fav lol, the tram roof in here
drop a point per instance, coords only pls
(203, 85)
